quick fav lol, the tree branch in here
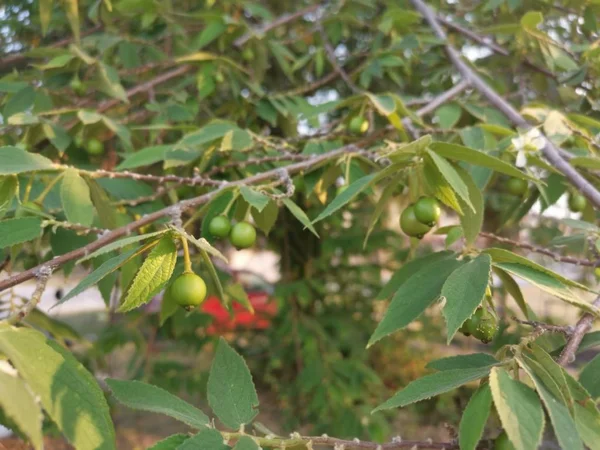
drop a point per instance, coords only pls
(330, 51)
(583, 326)
(282, 20)
(490, 44)
(550, 151)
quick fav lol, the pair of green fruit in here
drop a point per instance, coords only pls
(481, 325)
(417, 219)
(241, 235)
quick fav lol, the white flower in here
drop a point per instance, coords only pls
(530, 142)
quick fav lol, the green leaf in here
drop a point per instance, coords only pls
(300, 215)
(237, 292)
(587, 162)
(20, 101)
(246, 443)
(408, 270)
(448, 115)
(382, 203)
(105, 269)
(347, 195)
(61, 331)
(562, 422)
(18, 403)
(471, 220)
(500, 255)
(15, 160)
(452, 177)
(109, 82)
(66, 390)
(464, 290)
(106, 211)
(8, 189)
(231, 392)
(472, 422)
(72, 12)
(212, 31)
(477, 158)
(45, 14)
(438, 187)
(88, 117)
(587, 420)
(146, 397)
(432, 385)
(152, 276)
(207, 133)
(519, 409)
(512, 287)
(256, 199)
(120, 244)
(402, 152)
(414, 296)
(265, 219)
(144, 157)
(208, 439)
(15, 231)
(383, 103)
(171, 443)
(57, 135)
(589, 377)
(548, 284)
(236, 140)
(75, 197)
(24, 118)
(472, 361)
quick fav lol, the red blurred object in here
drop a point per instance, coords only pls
(265, 309)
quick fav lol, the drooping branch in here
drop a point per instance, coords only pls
(549, 150)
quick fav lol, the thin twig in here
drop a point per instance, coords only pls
(330, 52)
(550, 151)
(490, 44)
(540, 250)
(282, 20)
(42, 274)
(546, 327)
(581, 328)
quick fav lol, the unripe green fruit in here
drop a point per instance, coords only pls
(516, 187)
(427, 211)
(410, 225)
(503, 443)
(77, 86)
(483, 326)
(248, 54)
(358, 125)
(188, 290)
(577, 202)
(243, 235)
(219, 226)
(94, 147)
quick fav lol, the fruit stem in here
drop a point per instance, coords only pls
(230, 204)
(28, 189)
(347, 172)
(187, 263)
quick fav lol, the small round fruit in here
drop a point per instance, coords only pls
(503, 443)
(219, 226)
(484, 326)
(577, 203)
(516, 187)
(77, 86)
(243, 235)
(248, 54)
(188, 290)
(410, 225)
(94, 147)
(427, 211)
(359, 125)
